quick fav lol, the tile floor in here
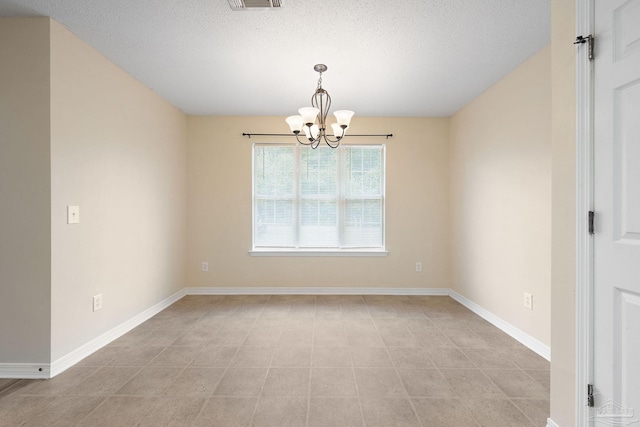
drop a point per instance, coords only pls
(296, 361)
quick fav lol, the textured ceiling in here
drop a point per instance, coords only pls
(400, 58)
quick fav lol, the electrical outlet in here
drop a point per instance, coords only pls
(97, 302)
(205, 266)
(528, 301)
(418, 266)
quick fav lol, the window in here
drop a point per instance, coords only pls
(318, 200)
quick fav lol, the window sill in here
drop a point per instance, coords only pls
(319, 253)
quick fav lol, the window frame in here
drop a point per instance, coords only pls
(297, 199)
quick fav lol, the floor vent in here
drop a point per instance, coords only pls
(255, 4)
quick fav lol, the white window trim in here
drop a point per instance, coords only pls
(321, 252)
(268, 252)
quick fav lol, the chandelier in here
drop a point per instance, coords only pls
(306, 121)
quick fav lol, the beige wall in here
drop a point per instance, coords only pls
(219, 204)
(24, 191)
(563, 246)
(501, 197)
(116, 153)
(119, 152)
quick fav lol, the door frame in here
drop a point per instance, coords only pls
(585, 25)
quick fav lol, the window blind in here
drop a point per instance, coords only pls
(318, 199)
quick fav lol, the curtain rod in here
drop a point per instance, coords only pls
(388, 135)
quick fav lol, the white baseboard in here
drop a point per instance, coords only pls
(550, 423)
(35, 370)
(24, 370)
(517, 334)
(67, 361)
(324, 290)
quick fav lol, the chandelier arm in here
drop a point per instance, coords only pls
(330, 141)
(323, 117)
(318, 101)
(327, 109)
(303, 142)
(313, 143)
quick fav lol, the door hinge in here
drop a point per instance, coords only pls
(588, 39)
(590, 403)
(592, 216)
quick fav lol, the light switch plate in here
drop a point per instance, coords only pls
(73, 214)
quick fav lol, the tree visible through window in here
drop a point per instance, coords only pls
(318, 199)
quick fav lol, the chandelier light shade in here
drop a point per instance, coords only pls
(312, 121)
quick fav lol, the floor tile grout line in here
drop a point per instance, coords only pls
(106, 398)
(313, 336)
(522, 412)
(259, 396)
(355, 380)
(505, 393)
(221, 377)
(529, 369)
(408, 396)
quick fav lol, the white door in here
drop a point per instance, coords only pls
(616, 355)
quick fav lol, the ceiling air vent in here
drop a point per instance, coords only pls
(255, 4)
